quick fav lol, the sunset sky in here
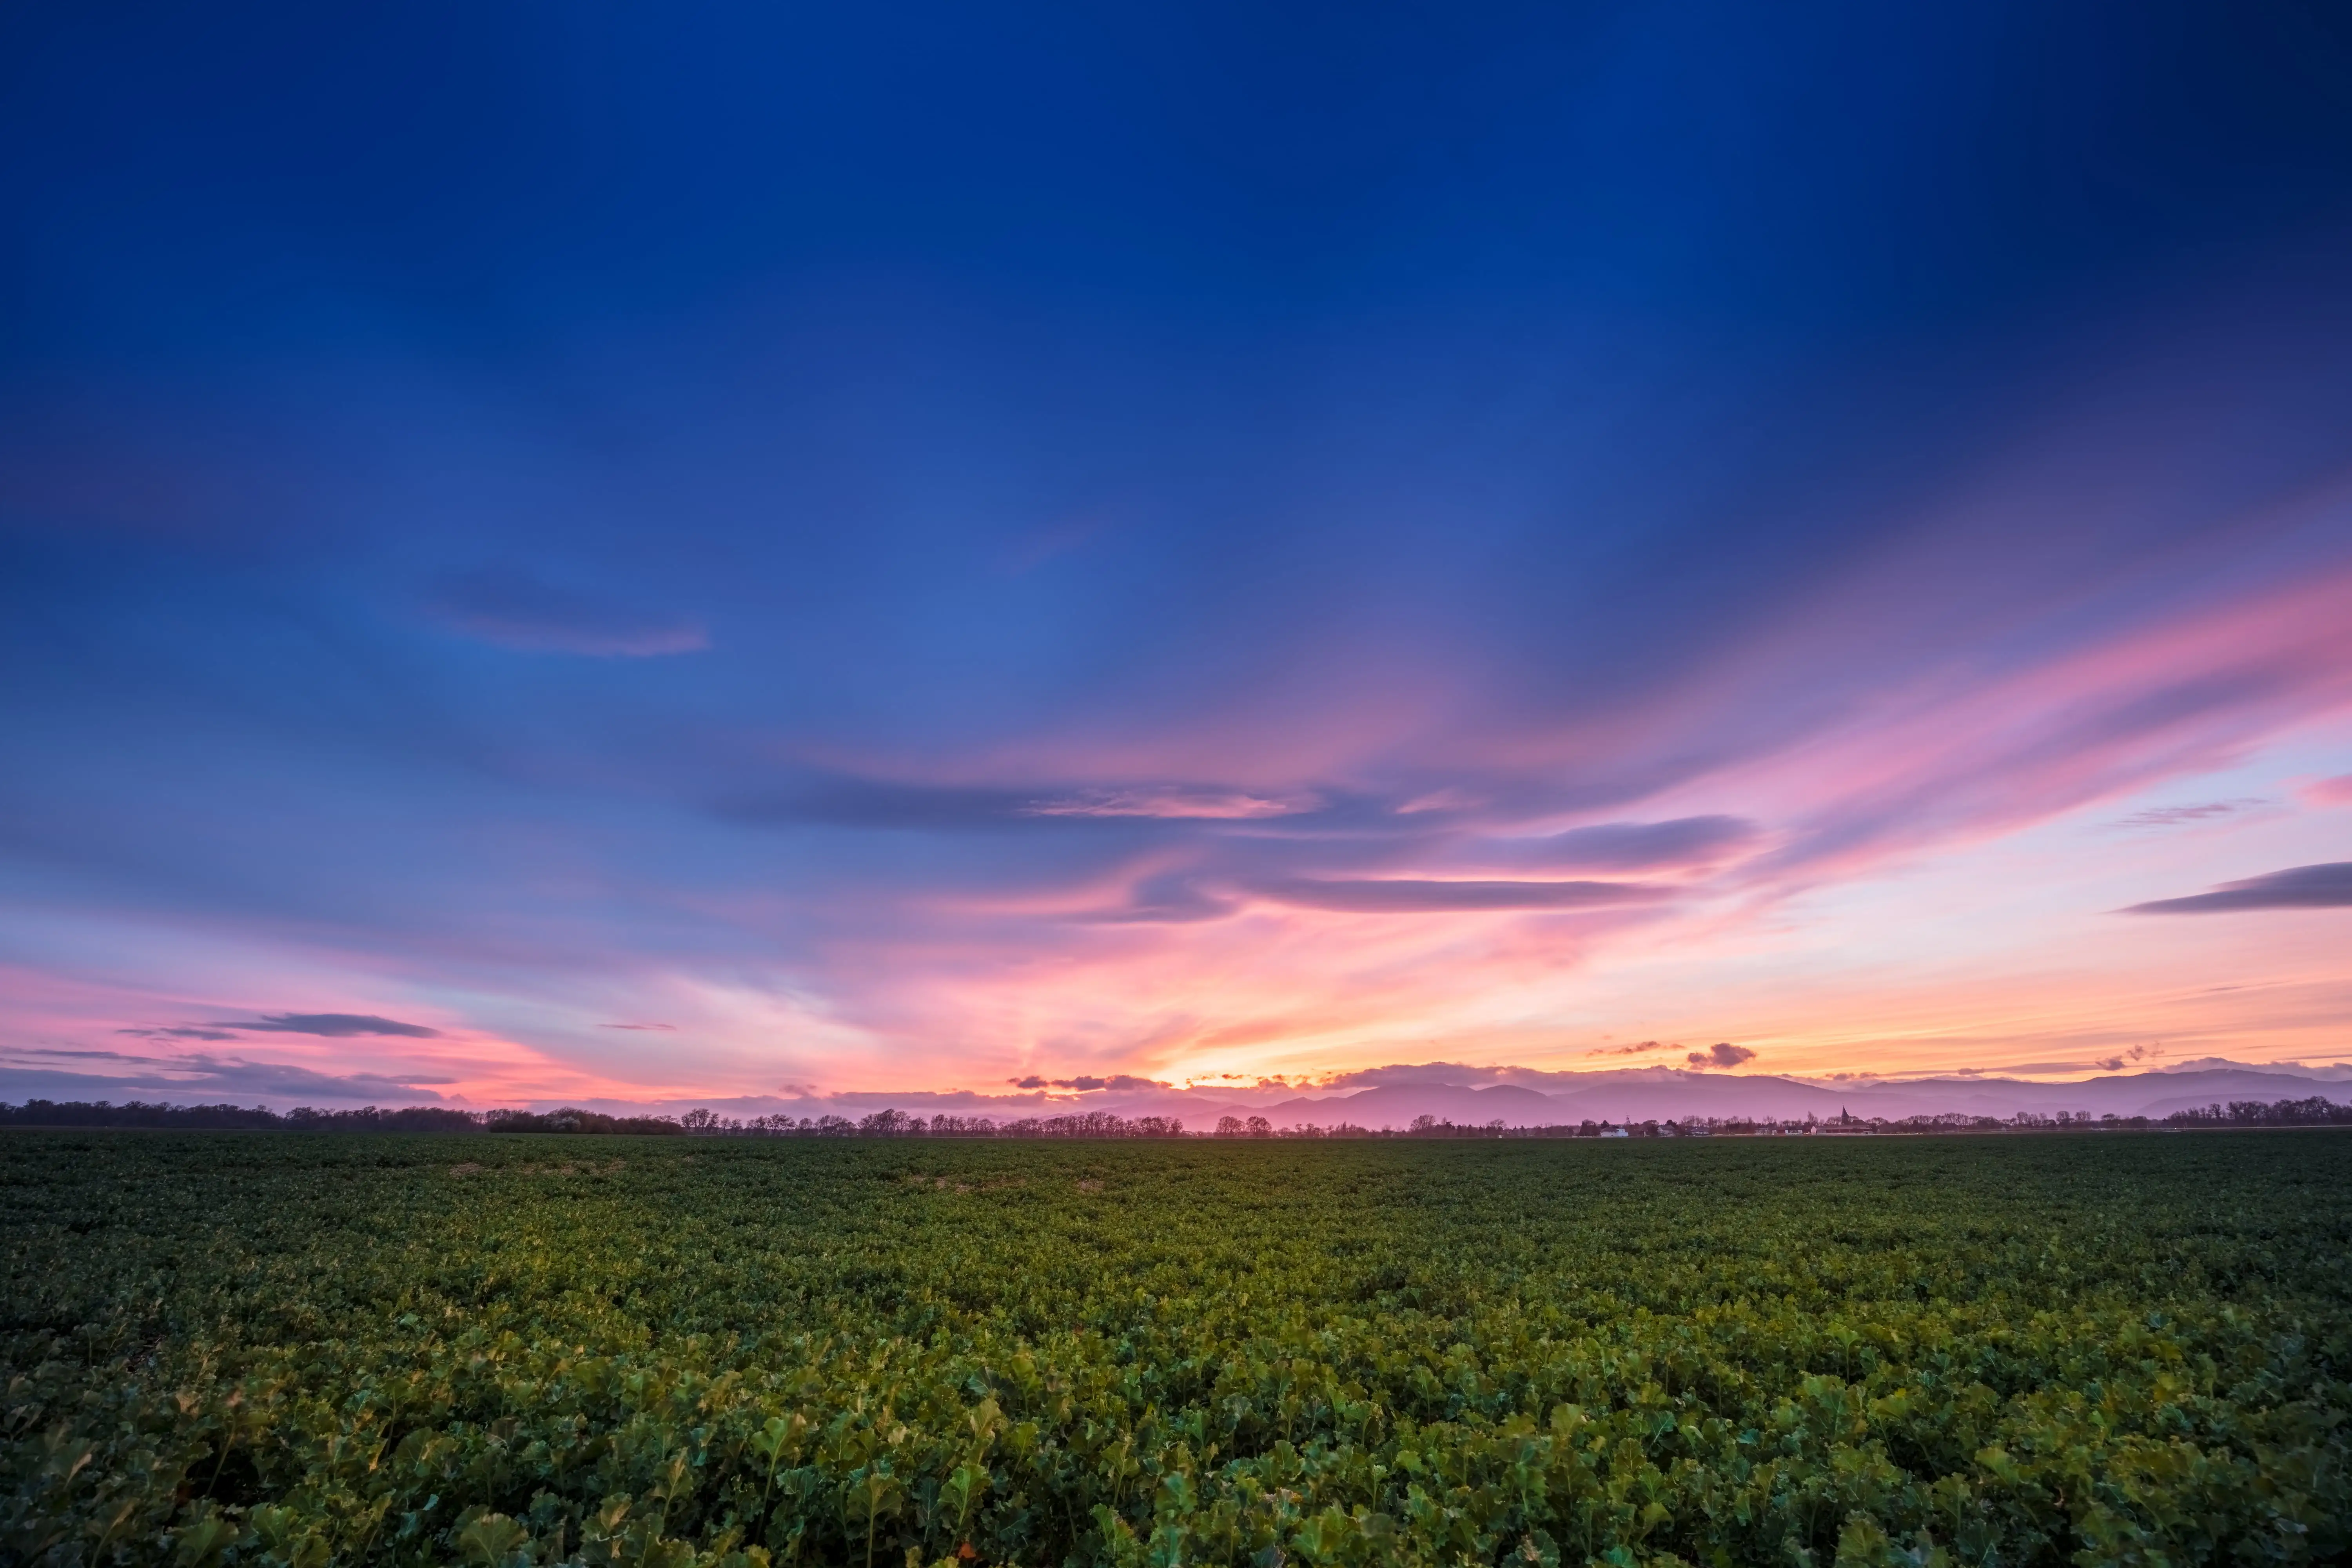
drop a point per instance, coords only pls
(562, 552)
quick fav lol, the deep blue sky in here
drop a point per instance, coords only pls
(908, 543)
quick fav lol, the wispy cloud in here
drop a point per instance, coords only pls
(2206, 811)
(1171, 898)
(1413, 895)
(1174, 803)
(196, 1077)
(1629, 846)
(327, 1025)
(1640, 1048)
(514, 609)
(1088, 1083)
(2328, 886)
(853, 800)
(844, 800)
(332, 1025)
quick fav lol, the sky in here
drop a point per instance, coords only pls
(580, 552)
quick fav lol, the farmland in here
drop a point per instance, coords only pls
(291, 1350)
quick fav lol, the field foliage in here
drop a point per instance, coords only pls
(288, 1350)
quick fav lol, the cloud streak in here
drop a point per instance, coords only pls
(512, 610)
(1633, 846)
(1089, 1083)
(195, 1077)
(1171, 803)
(333, 1025)
(2323, 886)
(1408, 895)
(326, 1025)
(2175, 815)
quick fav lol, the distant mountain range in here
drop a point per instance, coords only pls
(1394, 1096)
(1659, 1094)
(1630, 1094)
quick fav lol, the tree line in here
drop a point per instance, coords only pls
(2312, 1111)
(305, 1119)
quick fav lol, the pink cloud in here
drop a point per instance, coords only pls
(1171, 802)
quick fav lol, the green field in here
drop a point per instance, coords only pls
(273, 1348)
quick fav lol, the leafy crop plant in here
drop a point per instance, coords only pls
(279, 1349)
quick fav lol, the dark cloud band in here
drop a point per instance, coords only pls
(2326, 886)
(332, 1025)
